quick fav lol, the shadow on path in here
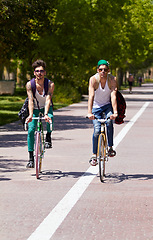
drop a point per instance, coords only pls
(3, 178)
(71, 122)
(15, 126)
(12, 165)
(58, 174)
(61, 123)
(14, 140)
(120, 177)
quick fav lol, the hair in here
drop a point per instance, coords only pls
(39, 63)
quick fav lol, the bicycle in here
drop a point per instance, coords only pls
(39, 145)
(102, 153)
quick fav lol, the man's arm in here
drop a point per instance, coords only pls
(48, 99)
(30, 102)
(91, 98)
(113, 97)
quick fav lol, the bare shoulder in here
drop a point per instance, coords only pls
(28, 86)
(51, 84)
(112, 82)
(29, 90)
(94, 82)
(50, 88)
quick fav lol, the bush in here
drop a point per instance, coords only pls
(147, 80)
(66, 94)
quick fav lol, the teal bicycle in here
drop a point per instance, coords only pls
(39, 145)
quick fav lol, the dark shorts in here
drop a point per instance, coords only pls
(130, 84)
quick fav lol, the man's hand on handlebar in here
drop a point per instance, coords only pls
(28, 119)
(47, 119)
(113, 116)
(91, 116)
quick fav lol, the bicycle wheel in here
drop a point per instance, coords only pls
(101, 156)
(38, 152)
(42, 151)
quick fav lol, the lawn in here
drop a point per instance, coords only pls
(11, 105)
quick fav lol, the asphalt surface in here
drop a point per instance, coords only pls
(69, 201)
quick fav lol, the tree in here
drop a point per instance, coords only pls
(72, 35)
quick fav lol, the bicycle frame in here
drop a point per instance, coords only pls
(103, 132)
(40, 130)
(102, 149)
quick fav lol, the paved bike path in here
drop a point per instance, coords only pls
(118, 209)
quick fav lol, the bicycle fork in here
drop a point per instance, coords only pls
(104, 156)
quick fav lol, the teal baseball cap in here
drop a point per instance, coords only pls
(103, 62)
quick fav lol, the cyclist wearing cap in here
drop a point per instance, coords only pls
(102, 99)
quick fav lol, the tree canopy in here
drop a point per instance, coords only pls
(72, 35)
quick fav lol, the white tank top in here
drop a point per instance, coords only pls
(102, 96)
(41, 100)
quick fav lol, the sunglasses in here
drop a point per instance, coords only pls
(39, 71)
(103, 69)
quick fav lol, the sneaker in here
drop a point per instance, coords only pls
(111, 152)
(93, 161)
(30, 164)
(48, 145)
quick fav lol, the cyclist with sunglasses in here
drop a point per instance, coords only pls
(41, 102)
(102, 100)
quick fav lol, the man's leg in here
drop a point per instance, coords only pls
(30, 139)
(48, 142)
(110, 130)
(97, 129)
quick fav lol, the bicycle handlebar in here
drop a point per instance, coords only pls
(25, 126)
(50, 122)
(102, 120)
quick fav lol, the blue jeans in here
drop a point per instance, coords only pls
(98, 112)
(32, 127)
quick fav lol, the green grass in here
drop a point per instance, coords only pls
(9, 108)
(11, 105)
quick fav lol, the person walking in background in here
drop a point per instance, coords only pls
(40, 101)
(140, 81)
(102, 99)
(130, 80)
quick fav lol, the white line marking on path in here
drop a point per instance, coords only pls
(124, 131)
(51, 223)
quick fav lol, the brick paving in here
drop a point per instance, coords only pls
(119, 209)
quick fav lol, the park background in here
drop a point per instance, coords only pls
(71, 36)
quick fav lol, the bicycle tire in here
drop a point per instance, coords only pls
(101, 157)
(38, 152)
(42, 150)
